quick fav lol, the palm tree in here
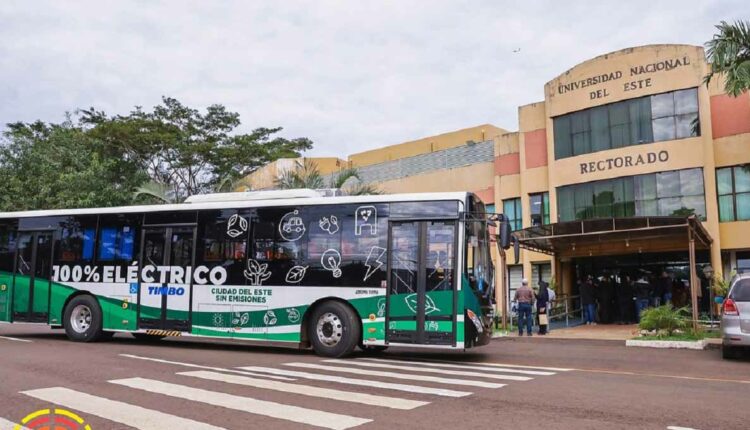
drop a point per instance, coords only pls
(729, 54)
(307, 175)
(303, 175)
(156, 192)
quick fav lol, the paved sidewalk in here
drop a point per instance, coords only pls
(591, 332)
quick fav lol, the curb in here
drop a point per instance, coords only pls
(671, 344)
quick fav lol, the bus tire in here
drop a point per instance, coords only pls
(82, 319)
(334, 329)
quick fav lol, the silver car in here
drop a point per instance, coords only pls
(735, 320)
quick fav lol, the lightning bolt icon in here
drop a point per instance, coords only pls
(374, 261)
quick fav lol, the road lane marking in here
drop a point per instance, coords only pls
(518, 366)
(430, 370)
(423, 378)
(680, 428)
(652, 375)
(9, 425)
(15, 339)
(123, 413)
(360, 382)
(308, 390)
(461, 366)
(245, 404)
(199, 366)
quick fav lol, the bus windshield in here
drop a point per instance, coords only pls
(479, 269)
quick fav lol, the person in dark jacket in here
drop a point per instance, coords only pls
(606, 299)
(542, 305)
(625, 299)
(588, 303)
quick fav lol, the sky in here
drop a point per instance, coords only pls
(350, 75)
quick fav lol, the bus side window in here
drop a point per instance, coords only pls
(222, 241)
(76, 244)
(280, 237)
(118, 239)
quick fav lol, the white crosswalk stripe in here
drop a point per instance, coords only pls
(394, 375)
(359, 382)
(9, 425)
(196, 366)
(430, 370)
(462, 366)
(245, 404)
(307, 390)
(520, 366)
(123, 413)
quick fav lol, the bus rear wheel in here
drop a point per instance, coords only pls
(334, 330)
(82, 319)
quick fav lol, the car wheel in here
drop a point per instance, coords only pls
(730, 352)
(82, 319)
(334, 330)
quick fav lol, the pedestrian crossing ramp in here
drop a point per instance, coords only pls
(373, 382)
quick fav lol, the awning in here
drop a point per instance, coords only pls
(613, 236)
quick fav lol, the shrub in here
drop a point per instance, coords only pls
(664, 319)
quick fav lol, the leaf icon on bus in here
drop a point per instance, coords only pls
(429, 304)
(296, 274)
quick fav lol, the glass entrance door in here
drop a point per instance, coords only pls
(31, 283)
(167, 258)
(422, 285)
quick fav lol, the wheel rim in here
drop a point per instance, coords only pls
(80, 318)
(330, 329)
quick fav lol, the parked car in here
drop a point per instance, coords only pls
(735, 320)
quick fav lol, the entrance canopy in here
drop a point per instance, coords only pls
(613, 236)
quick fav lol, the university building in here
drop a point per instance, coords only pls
(603, 172)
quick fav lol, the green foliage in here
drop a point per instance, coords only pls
(188, 151)
(729, 54)
(51, 166)
(721, 285)
(161, 156)
(307, 175)
(664, 319)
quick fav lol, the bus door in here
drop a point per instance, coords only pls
(421, 294)
(167, 255)
(31, 283)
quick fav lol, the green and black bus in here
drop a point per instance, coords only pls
(283, 266)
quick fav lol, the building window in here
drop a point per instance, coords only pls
(733, 185)
(539, 208)
(675, 193)
(667, 116)
(512, 210)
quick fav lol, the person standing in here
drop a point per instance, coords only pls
(525, 298)
(542, 303)
(550, 304)
(642, 290)
(606, 298)
(625, 299)
(587, 300)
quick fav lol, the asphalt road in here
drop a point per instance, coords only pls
(528, 383)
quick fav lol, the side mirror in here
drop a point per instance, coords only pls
(505, 232)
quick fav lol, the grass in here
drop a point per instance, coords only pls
(689, 336)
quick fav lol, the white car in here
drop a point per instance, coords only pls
(735, 320)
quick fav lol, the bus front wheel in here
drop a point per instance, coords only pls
(82, 319)
(334, 330)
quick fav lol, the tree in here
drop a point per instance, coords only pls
(50, 166)
(729, 54)
(306, 174)
(187, 151)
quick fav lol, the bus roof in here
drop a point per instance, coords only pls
(249, 203)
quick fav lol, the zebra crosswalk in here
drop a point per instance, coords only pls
(371, 383)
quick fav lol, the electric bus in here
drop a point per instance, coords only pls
(294, 266)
